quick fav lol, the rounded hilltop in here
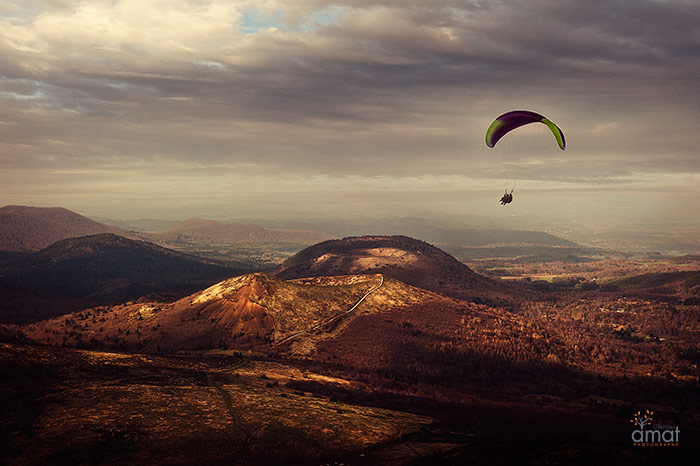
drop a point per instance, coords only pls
(409, 260)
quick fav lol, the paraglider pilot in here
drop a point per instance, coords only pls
(507, 197)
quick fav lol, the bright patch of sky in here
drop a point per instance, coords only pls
(254, 20)
(20, 12)
(328, 15)
(211, 64)
(20, 89)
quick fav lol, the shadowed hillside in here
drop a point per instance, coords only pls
(109, 268)
(681, 286)
(19, 304)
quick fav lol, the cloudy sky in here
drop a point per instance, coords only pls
(165, 108)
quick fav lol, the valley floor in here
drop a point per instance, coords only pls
(69, 406)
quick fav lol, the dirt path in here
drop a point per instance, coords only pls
(337, 316)
(236, 420)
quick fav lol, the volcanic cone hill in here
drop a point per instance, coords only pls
(411, 261)
(242, 312)
(25, 228)
(107, 268)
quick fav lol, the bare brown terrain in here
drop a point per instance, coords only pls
(66, 406)
(244, 312)
(363, 368)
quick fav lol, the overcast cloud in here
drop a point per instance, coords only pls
(121, 102)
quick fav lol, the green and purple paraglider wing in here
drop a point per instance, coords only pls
(517, 118)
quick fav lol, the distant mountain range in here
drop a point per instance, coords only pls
(196, 230)
(25, 228)
(471, 232)
(34, 228)
(479, 238)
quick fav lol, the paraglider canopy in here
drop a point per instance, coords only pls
(517, 118)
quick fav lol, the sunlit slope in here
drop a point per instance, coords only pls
(242, 312)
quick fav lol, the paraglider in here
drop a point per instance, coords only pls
(507, 198)
(509, 121)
